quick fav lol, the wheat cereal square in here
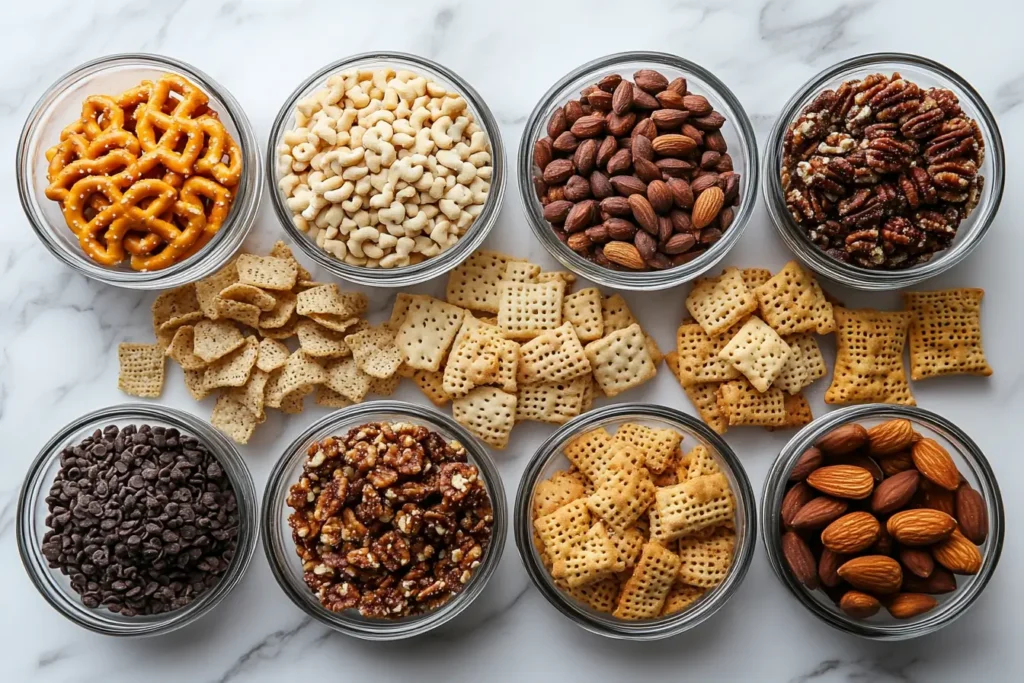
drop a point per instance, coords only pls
(945, 333)
(475, 283)
(552, 356)
(232, 418)
(869, 358)
(142, 369)
(590, 452)
(717, 304)
(267, 272)
(583, 310)
(550, 402)
(488, 413)
(615, 314)
(526, 309)
(595, 558)
(792, 302)
(681, 597)
(621, 360)
(659, 445)
(758, 352)
(705, 562)
(691, 506)
(743, 404)
(521, 271)
(644, 593)
(563, 530)
(804, 366)
(428, 331)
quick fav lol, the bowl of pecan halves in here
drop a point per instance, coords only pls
(884, 170)
(384, 520)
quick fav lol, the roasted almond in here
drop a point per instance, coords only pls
(659, 196)
(542, 153)
(918, 562)
(796, 497)
(891, 436)
(859, 460)
(556, 212)
(679, 243)
(958, 554)
(670, 99)
(800, 559)
(842, 440)
(579, 242)
(935, 464)
(588, 126)
(616, 206)
(910, 605)
(620, 162)
(574, 110)
(677, 85)
(599, 100)
(843, 481)
(620, 229)
(851, 533)
(600, 186)
(645, 128)
(646, 169)
(895, 492)
(643, 213)
(622, 98)
(627, 185)
(697, 105)
(642, 148)
(818, 513)
(971, 514)
(624, 254)
(673, 145)
(682, 193)
(644, 100)
(585, 157)
(941, 581)
(557, 124)
(859, 605)
(566, 142)
(876, 574)
(605, 150)
(620, 125)
(650, 81)
(894, 464)
(669, 119)
(809, 461)
(706, 207)
(581, 216)
(828, 566)
(920, 526)
(558, 171)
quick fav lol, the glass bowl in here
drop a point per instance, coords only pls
(973, 466)
(738, 132)
(32, 512)
(971, 231)
(61, 105)
(280, 549)
(549, 459)
(431, 267)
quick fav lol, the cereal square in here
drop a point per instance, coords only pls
(526, 309)
(621, 360)
(792, 302)
(869, 358)
(717, 304)
(758, 352)
(945, 333)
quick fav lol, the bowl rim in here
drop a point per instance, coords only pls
(641, 280)
(851, 275)
(431, 267)
(774, 488)
(95, 619)
(651, 629)
(221, 247)
(276, 491)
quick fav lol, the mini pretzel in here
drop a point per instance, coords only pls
(145, 175)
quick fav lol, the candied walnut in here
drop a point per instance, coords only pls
(340, 597)
(362, 456)
(457, 480)
(363, 558)
(332, 497)
(352, 528)
(382, 477)
(409, 520)
(392, 550)
(300, 494)
(407, 457)
(303, 525)
(371, 507)
(332, 533)
(410, 491)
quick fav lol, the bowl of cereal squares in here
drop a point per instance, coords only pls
(388, 168)
(635, 521)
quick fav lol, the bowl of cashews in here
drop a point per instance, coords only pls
(139, 171)
(387, 169)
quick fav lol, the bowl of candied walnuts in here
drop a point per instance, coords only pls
(884, 170)
(139, 171)
(384, 521)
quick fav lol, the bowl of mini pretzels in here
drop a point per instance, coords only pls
(139, 171)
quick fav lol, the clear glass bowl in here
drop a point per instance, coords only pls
(61, 105)
(32, 512)
(738, 132)
(971, 231)
(280, 548)
(549, 459)
(431, 267)
(974, 467)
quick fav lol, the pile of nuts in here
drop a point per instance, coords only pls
(389, 519)
(636, 174)
(881, 172)
(384, 169)
(881, 516)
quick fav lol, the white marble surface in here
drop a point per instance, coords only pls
(59, 331)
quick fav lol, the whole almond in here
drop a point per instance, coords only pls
(650, 80)
(958, 554)
(641, 148)
(894, 464)
(679, 243)
(884, 545)
(579, 242)
(623, 254)
(659, 196)
(585, 157)
(971, 514)
(910, 605)
(558, 171)
(622, 98)
(598, 234)
(918, 562)
(556, 212)
(934, 497)
(643, 213)
(859, 460)
(828, 566)
(935, 464)
(574, 110)
(859, 605)
(557, 124)
(646, 245)
(620, 162)
(566, 143)
(646, 169)
(875, 574)
(588, 126)
(703, 182)
(697, 105)
(681, 222)
(842, 440)
(682, 193)
(891, 436)
(895, 492)
(707, 206)
(725, 217)
(665, 231)
(620, 229)
(669, 119)
(851, 533)
(709, 160)
(645, 128)
(670, 99)
(818, 513)
(600, 186)
(610, 82)
(724, 164)
(920, 526)
(577, 188)
(619, 125)
(712, 121)
(800, 560)
(605, 150)
(692, 132)
(941, 581)
(809, 461)
(542, 153)
(616, 206)
(677, 85)
(628, 185)
(843, 481)
(599, 100)
(673, 145)
(796, 497)
(674, 168)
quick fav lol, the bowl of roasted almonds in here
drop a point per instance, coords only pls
(386, 168)
(884, 170)
(638, 170)
(884, 521)
(384, 520)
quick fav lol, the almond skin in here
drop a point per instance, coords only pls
(843, 440)
(843, 481)
(894, 464)
(706, 207)
(891, 436)
(895, 492)
(971, 514)
(920, 527)
(859, 605)
(910, 605)
(876, 574)
(918, 562)
(673, 145)
(806, 463)
(818, 513)
(624, 254)
(796, 498)
(622, 98)
(860, 460)
(828, 566)
(851, 533)
(958, 554)
(800, 560)
(643, 213)
(935, 464)
(941, 581)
